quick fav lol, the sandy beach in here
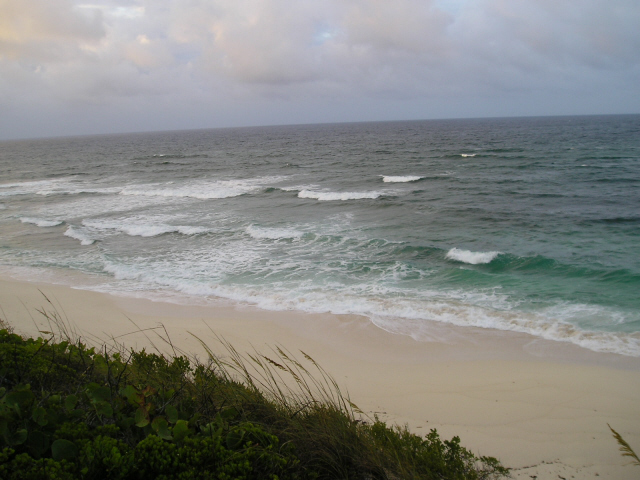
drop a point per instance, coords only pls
(541, 407)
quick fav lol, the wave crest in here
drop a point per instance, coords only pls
(39, 222)
(401, 179)
(78, 235)
(144, 230)
(333, 196)
(473, 258)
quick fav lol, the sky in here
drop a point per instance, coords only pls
(73, 67)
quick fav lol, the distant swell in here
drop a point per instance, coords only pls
(473, 258)
(332, 196)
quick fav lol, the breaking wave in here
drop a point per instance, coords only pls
(39, 222)
(473, 258)
(333, 196)
(401, 179)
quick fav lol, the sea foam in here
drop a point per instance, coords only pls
(401, 179)
(144, 230)
(333, 196)
(473, 258)
(41, 222)
(202, 190)
(78, 235)
(262, 233)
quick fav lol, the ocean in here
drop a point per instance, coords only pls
(523, 224)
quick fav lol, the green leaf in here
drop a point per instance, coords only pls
(229, 414)
(172, 413)
(16, 438)
(104, 409)
(19, 399)
(142, 417)
(161, 427)
(54, 399)
(40, 416)
(38, 442)
(63, 450)
(234, 438)
(211, 429)
(97, 393)
(132, 394)
(70, 402)
(181, 430)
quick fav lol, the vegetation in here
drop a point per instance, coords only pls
(625, 448)
(70, 411)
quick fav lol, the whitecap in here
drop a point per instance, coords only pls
(79, 235)
(473, 258)
(266, 233)
(332, 196)
(467, 155)
(202, 190)
(143, 230)
(41, 222)
(401, 179)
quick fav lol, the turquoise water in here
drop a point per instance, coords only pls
(529, 224)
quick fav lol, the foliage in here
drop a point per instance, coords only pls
(69, 411)
(625, 448)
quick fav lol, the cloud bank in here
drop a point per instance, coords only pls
(70, 67)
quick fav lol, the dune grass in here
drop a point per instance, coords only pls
(69, 410)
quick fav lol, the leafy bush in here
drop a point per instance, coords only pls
(68, 411)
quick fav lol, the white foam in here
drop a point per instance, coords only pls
(401, 179)
(41, 222)
(143, 230)
(467, 155)
(79, 235)
(202, 190)
(473, 258)
(333, 196)
(261, 233)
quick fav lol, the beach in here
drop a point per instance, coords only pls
(541, 407)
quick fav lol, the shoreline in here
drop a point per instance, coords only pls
(541, 407)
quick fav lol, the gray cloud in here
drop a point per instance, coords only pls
(216, 63)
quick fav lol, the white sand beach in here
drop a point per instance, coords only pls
(541, 407)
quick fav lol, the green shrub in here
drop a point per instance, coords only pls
(70, 411)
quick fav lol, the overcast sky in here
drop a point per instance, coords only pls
(74, 67)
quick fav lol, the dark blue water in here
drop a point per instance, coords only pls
(528, 224)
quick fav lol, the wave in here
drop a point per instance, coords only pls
(401, 179)
(144, 230)
(164, 156)
(333, 196)
(76, 234)
(389, 308)
(41, 222)
(473, 258)
(468, 155)
(203, 190)
(266, 233)
(70, 190)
